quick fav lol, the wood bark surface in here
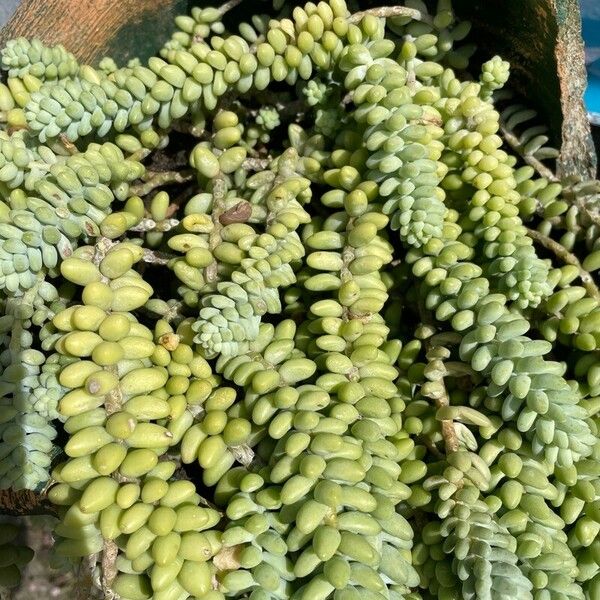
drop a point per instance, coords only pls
(542, 40)
(24, 502)
(93, 28)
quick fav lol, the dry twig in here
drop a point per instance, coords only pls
(567, 257)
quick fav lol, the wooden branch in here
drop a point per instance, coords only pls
(441, 396)
(513, 141)
(110, 551)
(569, 193)
(256, 164)
(574, 197)
(86, 587)
(90, 29)
(243, 454)
(448, 431)
(154, 179)
(225, 8)
(155, 257)
(148, 224)
(219, 191)
(391, 11)
(568, 257)
(20, 503)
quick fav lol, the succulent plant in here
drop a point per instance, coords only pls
(354, 362)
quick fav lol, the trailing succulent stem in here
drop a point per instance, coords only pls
(296, 310)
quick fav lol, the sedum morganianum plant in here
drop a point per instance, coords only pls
(287, 315)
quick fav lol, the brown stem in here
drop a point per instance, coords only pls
(513, 141)
(243, 454)
(219, 192)
(110, 552)
(573, 197)
(154, 179)
(140, 155)
(448, 431)
(188, 128)
(392, 11)
(175, 312)
(259, 40)
(69, 146)
(227, 559)
(148, 224)
(441, 398)
(568, 257)
(256, 164)
(14, 128)
(113, 400)
(172, 209)
(85, 577)
(20, 503)
(103, 245)
(154, 257)
(431, 446)
(224, 8)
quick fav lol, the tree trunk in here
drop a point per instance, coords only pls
(18, 503)
(92, 29)
(542, 40)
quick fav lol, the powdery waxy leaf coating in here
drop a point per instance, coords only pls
(306, 327)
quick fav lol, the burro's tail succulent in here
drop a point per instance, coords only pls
(296, 311)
